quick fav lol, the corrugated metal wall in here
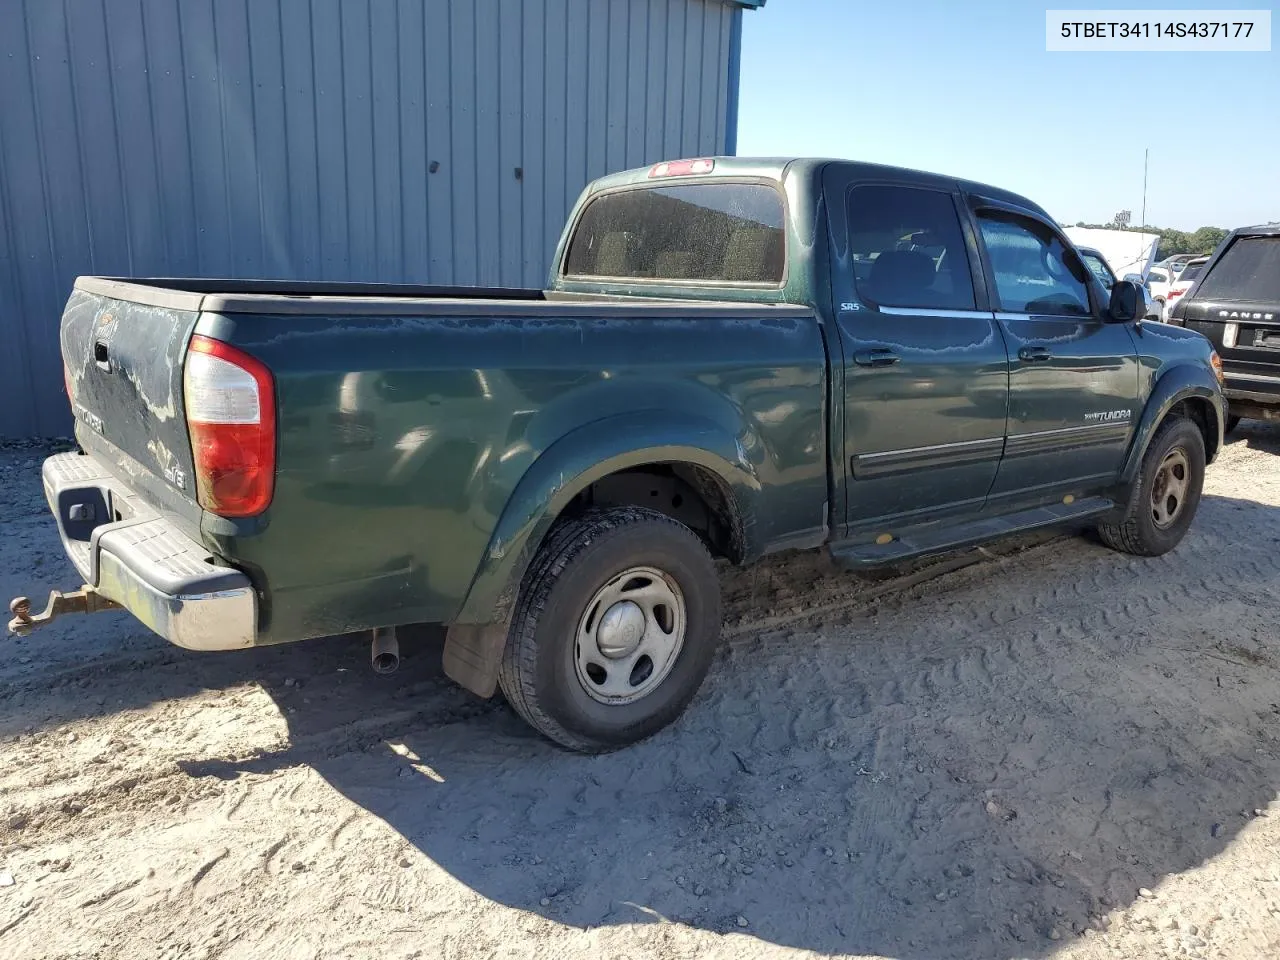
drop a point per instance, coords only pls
(294, 138)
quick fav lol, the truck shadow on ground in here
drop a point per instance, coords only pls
(985, 766)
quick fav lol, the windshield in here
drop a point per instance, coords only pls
(711, 232)
(1248, 270)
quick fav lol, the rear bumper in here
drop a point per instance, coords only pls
(132, 555)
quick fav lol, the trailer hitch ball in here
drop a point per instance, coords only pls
(84, 600)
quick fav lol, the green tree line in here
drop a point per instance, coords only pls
(1202, 241)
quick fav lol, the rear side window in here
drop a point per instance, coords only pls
(1248, 270)
(907, 248)
(709, 232)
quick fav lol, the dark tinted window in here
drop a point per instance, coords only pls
(1192, 272)
(907, 248)
(728, 232)
(1034, 270)
(1248, 270)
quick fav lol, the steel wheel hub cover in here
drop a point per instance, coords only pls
(621, 629)
(1169, 491)
(630, 635)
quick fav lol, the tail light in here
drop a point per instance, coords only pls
(231, 416)
(1177, 292)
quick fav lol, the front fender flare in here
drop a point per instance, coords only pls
(577, 460)
(1180, 382)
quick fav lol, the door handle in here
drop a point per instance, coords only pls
(876, 358)
(1033, 354)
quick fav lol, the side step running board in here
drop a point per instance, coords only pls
(939, 538)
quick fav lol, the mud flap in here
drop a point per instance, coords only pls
(472, 654)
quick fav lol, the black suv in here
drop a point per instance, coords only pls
(1236, 304)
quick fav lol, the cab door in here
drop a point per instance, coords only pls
(924, 368)
(1073, 373)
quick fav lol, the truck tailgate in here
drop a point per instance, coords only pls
(123, 364)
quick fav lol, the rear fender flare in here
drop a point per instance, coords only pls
(1183, 381)
(580, 458)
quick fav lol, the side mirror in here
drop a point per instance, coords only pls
(1127, 302)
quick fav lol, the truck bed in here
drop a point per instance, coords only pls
(414, 423)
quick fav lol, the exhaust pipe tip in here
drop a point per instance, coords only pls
(385, 651)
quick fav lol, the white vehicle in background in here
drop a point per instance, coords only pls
(1159, 279)
(1098, 266)
(1125, 251)
(1184, 281)
(1175, 264)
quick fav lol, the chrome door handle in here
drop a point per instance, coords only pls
(1033, 354)
(876, 358)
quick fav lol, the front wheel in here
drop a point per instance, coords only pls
(1165, 495)
(614, 631)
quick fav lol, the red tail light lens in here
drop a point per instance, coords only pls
(231, 416)
(1177, 292)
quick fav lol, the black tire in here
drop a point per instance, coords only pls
(1231, 424)
(1136, 530)
(539, 674)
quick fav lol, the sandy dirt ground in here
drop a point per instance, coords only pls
(1043, 749)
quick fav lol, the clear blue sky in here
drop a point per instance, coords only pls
(968, 89)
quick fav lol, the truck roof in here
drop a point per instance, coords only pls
(776, 168)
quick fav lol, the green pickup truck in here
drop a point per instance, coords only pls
(734, 357)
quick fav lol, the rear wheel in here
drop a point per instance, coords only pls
(615, 629)
(1165, 495)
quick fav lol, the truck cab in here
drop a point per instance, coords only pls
(977, 370)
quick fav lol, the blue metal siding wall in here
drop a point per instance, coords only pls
(293, 138)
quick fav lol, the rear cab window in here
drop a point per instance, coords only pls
(908, 249)
(1248, 270)
(719, 232)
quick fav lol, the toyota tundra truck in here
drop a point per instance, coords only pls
(733, 357)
